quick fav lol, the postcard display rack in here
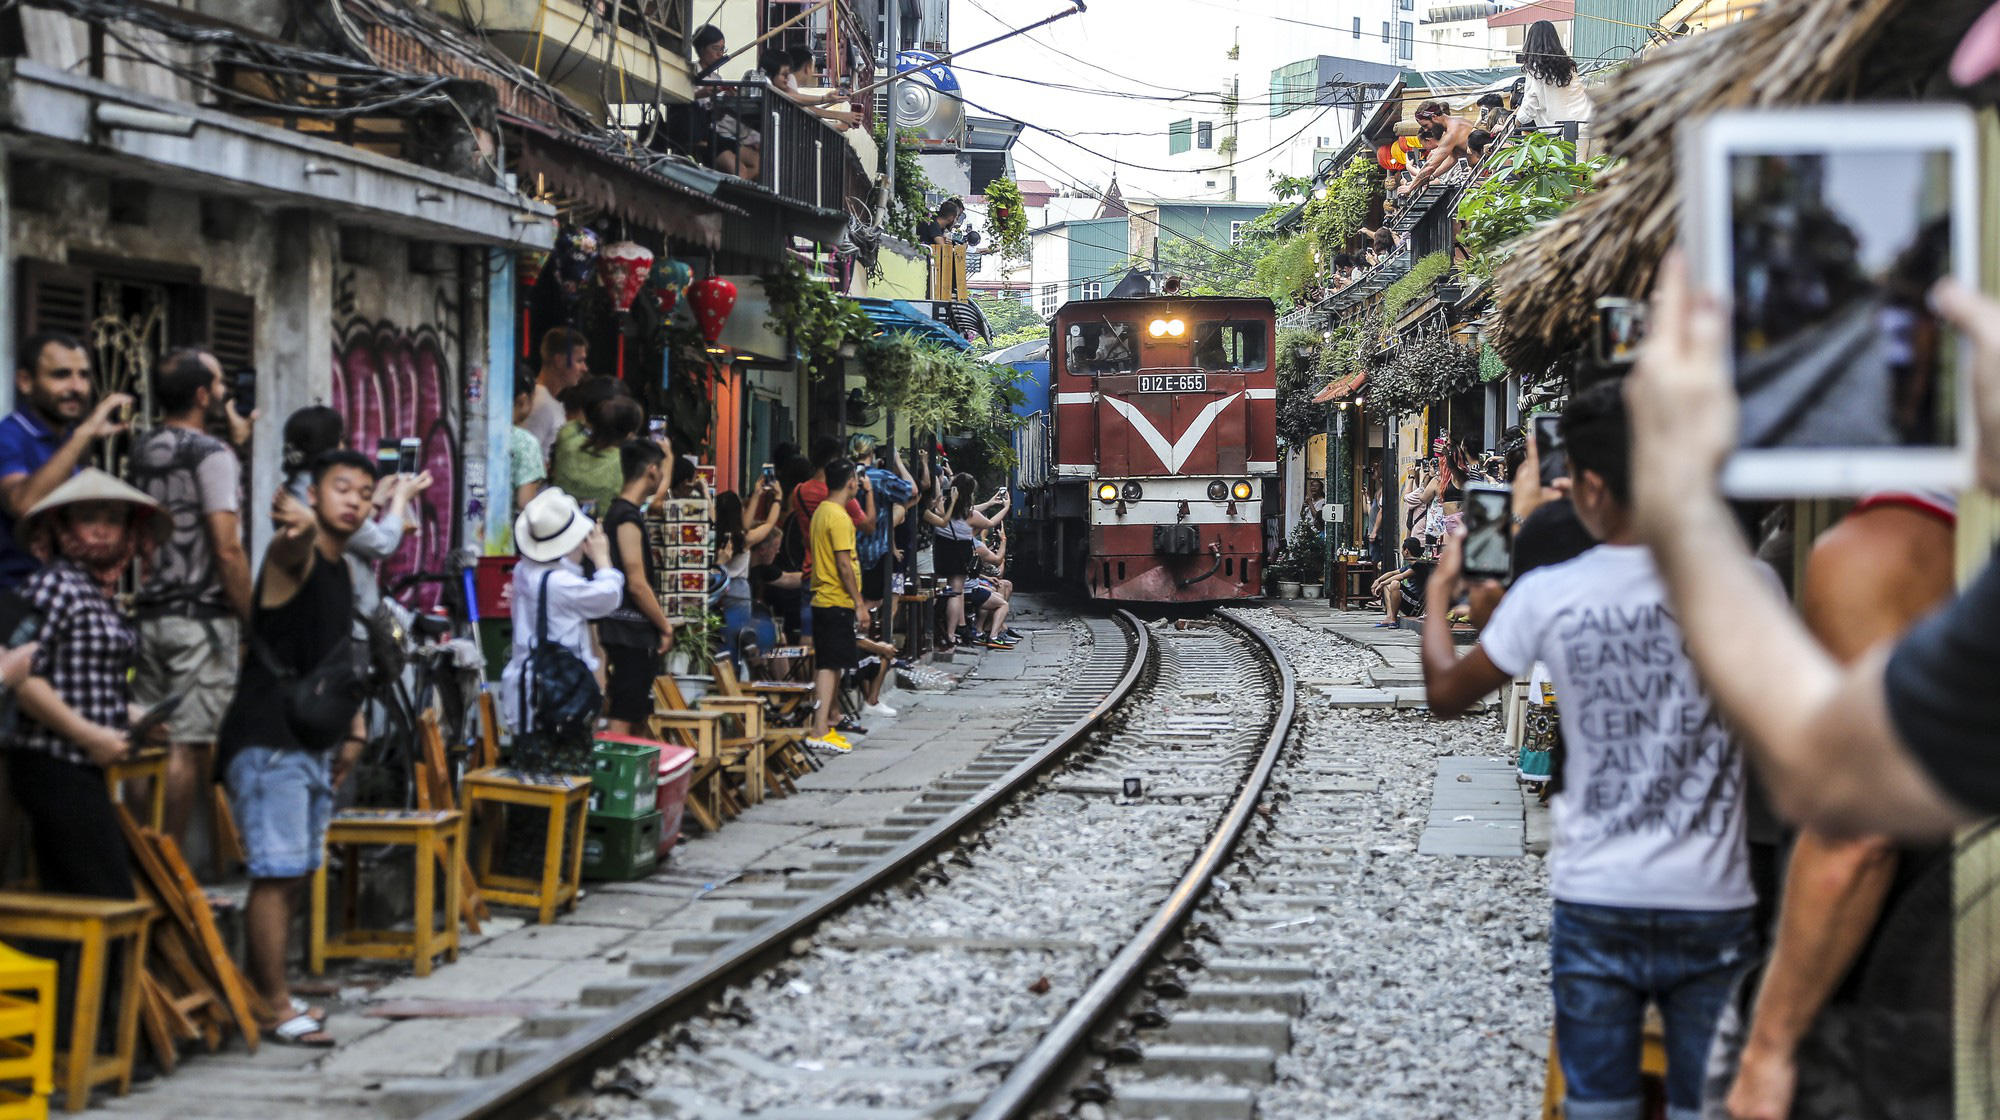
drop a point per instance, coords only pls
(683, 552)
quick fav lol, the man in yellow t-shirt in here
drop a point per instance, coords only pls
(836, 588)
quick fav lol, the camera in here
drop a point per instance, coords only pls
(1621, 327)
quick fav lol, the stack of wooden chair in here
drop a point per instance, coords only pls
(748, 739)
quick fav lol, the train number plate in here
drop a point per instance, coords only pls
(1173, 383)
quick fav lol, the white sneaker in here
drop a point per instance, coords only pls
(879, 710)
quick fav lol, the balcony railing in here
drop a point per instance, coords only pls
(750, 130)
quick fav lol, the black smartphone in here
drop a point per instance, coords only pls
(155, 716)
(244, 392)
(656, 427)
(19, 621)
(1621, 326)
(1549, 446)
(388, 453)
(409, 455)
(769, 473)
(1488, 518)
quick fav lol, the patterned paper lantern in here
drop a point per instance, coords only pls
(529, 263)
(668, 280)
(713, 299)
(623, 269)
(575, 259)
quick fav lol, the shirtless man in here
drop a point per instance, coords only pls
(1451, 140)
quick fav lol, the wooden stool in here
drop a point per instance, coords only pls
(148, 766)
(565, 798)
(27, 1035)
(435, 836)
(1652, 1064)
(92, 924)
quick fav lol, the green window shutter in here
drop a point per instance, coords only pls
(1180, 137)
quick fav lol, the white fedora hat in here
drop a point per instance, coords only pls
(551, 525)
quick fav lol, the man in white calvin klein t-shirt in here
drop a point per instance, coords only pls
(1648, 868)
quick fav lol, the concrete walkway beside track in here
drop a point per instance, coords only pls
(393, 1026)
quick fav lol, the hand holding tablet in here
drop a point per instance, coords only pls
(1824, 231)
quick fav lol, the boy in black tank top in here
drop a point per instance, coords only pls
(281, 790)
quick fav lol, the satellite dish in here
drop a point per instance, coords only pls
(928, 103)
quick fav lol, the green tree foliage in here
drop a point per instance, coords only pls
(944, 389)
(1534, 181)
(1011, 321)
(913, 187)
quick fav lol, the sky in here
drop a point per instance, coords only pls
(1155, 48)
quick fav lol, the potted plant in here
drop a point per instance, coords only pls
(1302, 564)
(695, 639)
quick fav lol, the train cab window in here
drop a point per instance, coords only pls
(1229, 346)
(1101, 347)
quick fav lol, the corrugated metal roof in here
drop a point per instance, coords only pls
(895, 315)
(1452, 13)
(1555, 11)
(1342, 387)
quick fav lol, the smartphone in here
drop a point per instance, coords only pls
(769, 473)
(1621, 326)
(656, 427)
(1549, 446)
(155, 716)
(19, 621)
(1823, 231)
(244, 392)
(388, 453)
(409, 455)
(1488, 517)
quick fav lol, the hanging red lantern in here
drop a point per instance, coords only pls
(622, 269)
(713, 299)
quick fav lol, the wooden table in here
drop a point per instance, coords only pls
(93, 925)
(1345, 572)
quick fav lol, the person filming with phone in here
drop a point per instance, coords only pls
(1648, 847)
(196, 594)
(45, 439)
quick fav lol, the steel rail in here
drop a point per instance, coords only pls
(1030, 1078)
(541, 1080)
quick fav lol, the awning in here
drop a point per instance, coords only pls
(894, 315)
(677, 201)
(49, 113)
(1341, 387)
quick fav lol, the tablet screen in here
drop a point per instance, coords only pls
(1832, 253)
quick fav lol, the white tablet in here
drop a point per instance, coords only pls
(1823, 230)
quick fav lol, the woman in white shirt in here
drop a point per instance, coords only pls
(1553, 91)
(553, 535)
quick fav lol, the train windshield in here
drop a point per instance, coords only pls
(1229, 345)
(1101, 346)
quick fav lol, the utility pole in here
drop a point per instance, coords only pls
(892, 10)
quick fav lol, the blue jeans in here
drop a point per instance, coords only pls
(282, 801)
(1605, 963)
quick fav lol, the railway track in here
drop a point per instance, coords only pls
(977, 954)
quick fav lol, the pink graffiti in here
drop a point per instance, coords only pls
(391, 382)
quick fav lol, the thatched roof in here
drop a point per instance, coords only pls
(1794, 52)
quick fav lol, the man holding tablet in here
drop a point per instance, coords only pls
(1906, 740)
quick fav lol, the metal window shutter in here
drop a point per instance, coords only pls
(56, 297)
(231, 328)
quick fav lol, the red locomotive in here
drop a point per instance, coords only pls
(1150, 468)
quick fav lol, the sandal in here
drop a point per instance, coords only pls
(302, 1030)
(300, 1007)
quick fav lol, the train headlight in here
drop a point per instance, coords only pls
(1132, 492)
(1218, 490)
(1108, 492)
(1157, 328)
(1241, 490)
(1176, 328)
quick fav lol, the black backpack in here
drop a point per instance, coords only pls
(559, 695)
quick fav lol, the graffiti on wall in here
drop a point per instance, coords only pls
(393, 381)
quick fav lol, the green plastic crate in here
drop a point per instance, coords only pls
(624, 778)
(621, 848)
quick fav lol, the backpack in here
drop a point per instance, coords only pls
(559, 695)
(319, 704)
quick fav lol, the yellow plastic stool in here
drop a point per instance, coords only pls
(27, 1035)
